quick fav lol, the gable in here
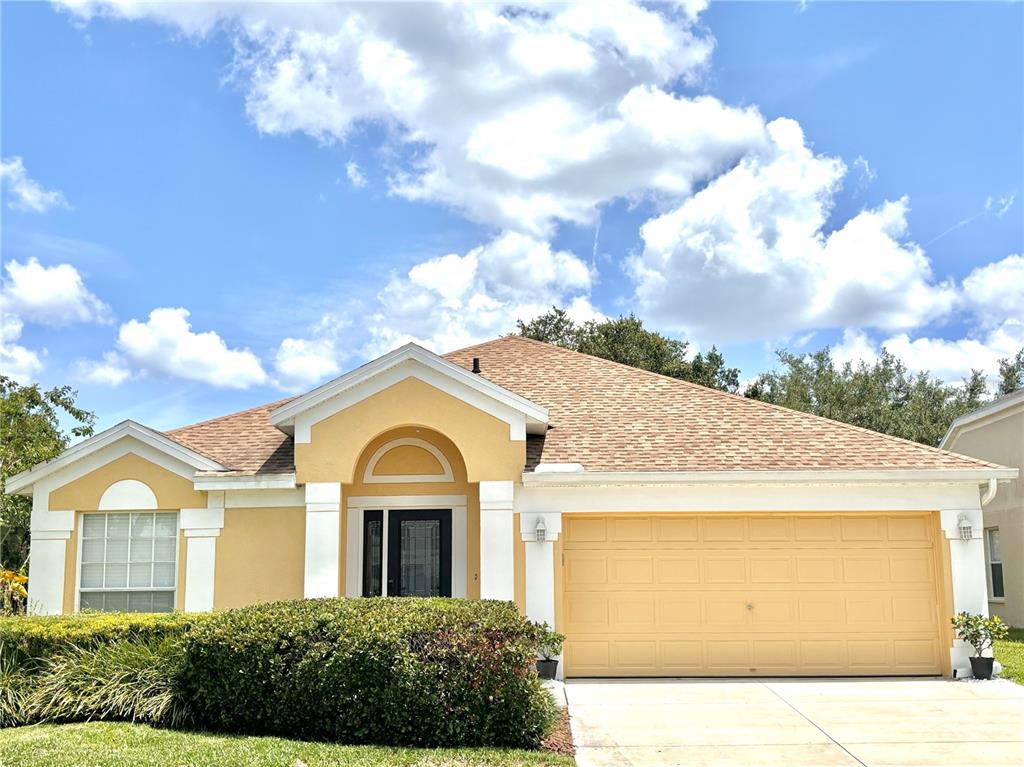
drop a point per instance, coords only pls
(334, 443)
(85, 493)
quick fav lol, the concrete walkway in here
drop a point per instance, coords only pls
(794, 722)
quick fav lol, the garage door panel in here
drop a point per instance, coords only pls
(650, 595)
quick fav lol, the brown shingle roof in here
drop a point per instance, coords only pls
(245, 442)
(611, 417)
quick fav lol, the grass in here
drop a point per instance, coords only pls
(108, 744)
(1010, 652)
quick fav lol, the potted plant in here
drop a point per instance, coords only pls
(549, 645)
(980, 633)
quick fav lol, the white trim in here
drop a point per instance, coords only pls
(369, 478)
(144, 434)
(323, 540)
(711, 498)
(46, 586)
(1000, 406)
(497, 551)
(552, 526)
(285, 415)
(284, 481)
(852, 476)
(357, 505)
(201, 528)
(405, 501)
(128, 495)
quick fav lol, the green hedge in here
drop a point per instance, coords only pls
(426, 672)
(28, 639)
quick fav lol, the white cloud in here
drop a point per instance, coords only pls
(519, 119)
(1001, 205)
(112, 370)
(996, 290)
(455, 300)
(855, 347)
(16, 361)
(27, 194)
(165, 344)
(356, 177)
(952, 359)
(749, 255)
(50, 295)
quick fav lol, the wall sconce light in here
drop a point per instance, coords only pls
(541, 531)
(963, 524)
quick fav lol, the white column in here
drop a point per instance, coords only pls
(967, 569)
(47, 564)
(323, 538)
(201, 528)
(497, 553)
(540, 565)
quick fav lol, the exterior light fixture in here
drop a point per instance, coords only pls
(963, 524)
(541, 531)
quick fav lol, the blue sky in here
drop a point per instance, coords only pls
(312, 196)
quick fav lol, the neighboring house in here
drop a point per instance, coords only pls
(996, 433)
(666, 528)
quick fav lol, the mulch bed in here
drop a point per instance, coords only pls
(560, 740)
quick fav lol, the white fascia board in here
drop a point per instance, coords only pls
(150, 437)
(285, 481)
(611, 478)
(999, 407)
(285, 415)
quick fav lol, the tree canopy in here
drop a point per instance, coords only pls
(626, 340)
(35, 426)
(883, 395)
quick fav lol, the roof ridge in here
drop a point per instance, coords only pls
(264, 406)
(749, 401)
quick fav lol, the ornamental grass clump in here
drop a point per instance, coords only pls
(124, 680)
(417, 672)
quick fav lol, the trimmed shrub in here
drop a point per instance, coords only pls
(424, 672)
(29, 639)
(123, 680)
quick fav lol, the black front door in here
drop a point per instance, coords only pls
(420, 553)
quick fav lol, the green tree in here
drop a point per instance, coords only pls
(1011, 374)
(883, 395)
(626, 340)
(31, 431)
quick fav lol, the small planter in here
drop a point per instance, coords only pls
(548, 667)
(981, 667)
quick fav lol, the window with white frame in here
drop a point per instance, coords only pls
(995, 563)
(129, 561)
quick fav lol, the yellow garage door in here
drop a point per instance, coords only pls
(751, 595)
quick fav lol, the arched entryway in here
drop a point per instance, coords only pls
(412, 518)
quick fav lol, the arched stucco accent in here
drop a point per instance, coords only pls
(128, 495)
(371, 477)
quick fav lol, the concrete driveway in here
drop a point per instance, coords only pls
(794, 722)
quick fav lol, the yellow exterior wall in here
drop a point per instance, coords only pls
(172, 490)
(346, 438)
(260, 556)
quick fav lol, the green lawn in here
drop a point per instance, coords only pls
(1010, 652)
(107, 744)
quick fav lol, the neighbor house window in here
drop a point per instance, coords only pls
(995, 562)
(129, 561)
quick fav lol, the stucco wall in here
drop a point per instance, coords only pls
(259, 556)
(1001, 440)
(172, 490)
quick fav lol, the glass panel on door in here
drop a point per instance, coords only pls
(420, 553)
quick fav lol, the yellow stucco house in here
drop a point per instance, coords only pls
(667, 529)
(996, 433)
